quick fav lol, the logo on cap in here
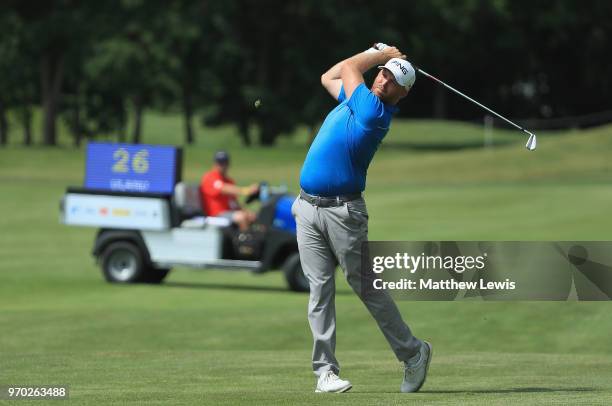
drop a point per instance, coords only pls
(402, 71)
(402, 68)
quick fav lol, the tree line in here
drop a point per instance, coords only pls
(98, 65)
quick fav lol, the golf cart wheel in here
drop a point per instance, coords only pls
(155, 276)
(122, 262)
(294, 275)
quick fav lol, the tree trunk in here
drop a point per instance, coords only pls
(52, 68)
(121, 134)
(26, 122)
(77, 134)
(3, 125)
(136, 135)
(243, 129)
(267, 133)
(439, 103)
(188, 111)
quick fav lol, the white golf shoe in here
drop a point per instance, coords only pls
(331, 383)
(415, 370)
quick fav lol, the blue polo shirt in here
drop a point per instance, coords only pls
(338, 159)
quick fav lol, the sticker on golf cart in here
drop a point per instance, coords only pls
(132, 168)
(123, 212)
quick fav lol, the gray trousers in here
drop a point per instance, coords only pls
(328, 236)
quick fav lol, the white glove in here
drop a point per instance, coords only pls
(379, 46)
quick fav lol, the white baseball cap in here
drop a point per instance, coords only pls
(402, 71)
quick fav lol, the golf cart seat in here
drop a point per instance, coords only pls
(188, 204)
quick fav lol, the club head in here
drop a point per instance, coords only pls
(531, 142)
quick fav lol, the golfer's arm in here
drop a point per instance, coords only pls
(332, 79)
(352, 70)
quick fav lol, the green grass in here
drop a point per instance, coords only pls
(235, 338)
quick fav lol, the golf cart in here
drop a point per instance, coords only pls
(150, 222)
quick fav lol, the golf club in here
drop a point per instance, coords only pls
(531, 142)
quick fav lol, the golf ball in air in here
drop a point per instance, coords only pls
(257, 103)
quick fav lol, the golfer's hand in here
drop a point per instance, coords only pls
(392, 52)
(377, 47)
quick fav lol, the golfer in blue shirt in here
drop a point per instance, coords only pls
(331, 214)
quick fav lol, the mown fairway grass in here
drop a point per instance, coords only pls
(230, 338)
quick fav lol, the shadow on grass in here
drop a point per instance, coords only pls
(227, 286)
(514, 390)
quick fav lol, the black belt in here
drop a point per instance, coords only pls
(328, 201)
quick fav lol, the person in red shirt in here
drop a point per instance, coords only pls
(219, 193)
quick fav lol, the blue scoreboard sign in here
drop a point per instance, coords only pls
(132, 168)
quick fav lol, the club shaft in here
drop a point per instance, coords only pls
(472, 100)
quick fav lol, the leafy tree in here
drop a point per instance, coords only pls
(187, 48)
(131, 65)
(98, 63)
(52, 27)
(18, 88)
(8, 50)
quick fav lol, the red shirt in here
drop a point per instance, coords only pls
(214, 201)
